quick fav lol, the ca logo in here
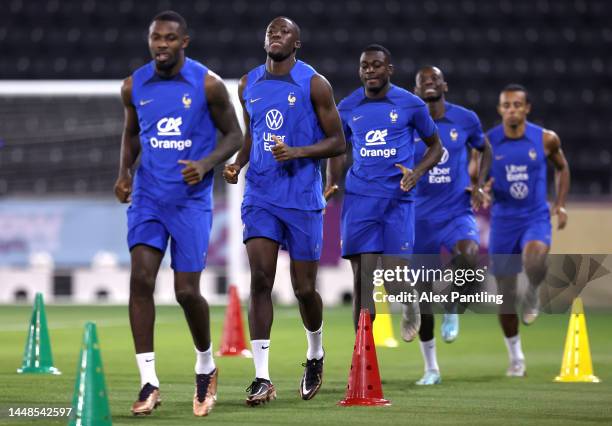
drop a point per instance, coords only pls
(169, 126)
(274, 119)
(376, 137)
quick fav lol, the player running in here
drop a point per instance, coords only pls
(444, 217)
(378, 211)
(291, 122)
(520, 216)
(173, 109)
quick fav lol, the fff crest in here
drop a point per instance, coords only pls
(186, 101)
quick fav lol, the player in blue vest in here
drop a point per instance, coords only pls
(173, 109)
(520, 216)
(377, 222)
(444, 216)
(291, 123)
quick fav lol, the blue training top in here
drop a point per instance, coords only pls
(519, 170)
(281, 106)
(175, 124)
(441, 193)
(381, 133)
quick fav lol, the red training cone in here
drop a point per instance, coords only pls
(232, 340)
(364, 386)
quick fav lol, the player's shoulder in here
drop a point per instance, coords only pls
(352, 100)
(461, 115)
(495, 133)
(404, 98)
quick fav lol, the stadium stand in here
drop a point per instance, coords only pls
(558, 49)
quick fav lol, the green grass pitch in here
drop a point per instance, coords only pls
(474, 389)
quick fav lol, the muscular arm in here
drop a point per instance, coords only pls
(224, 118)
(130, 144)
(553, 151)
(231, 171)
(431, 157)
(486, 157)
(322, 98)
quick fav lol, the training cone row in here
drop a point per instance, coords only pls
(37, 357)
(383, 327)
(364, 387)
(90, 400)
(577, 365)
(233, 342)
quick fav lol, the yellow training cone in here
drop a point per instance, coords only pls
(383, 328)
(577, 365)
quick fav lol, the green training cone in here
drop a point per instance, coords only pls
(90, 400)
(37, 358)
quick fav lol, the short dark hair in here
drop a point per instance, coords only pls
(172, 16)
(515, 87)
(378, 48)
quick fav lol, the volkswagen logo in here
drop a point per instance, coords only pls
(274, 119)
(519, 190)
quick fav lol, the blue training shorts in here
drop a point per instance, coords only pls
(376, 225)
(298, 231)
(151, 222)
(431, 236)
(509, 237)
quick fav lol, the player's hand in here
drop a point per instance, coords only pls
(281, 151)
(330, 191)
(409, 178)
(231, 172)
(480, 197)
(123, 188)
(561, 214)
(193, 172)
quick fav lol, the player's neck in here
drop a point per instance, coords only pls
(437, 109)
(280, 67)
(514, 132)
(379, 94)
(169, 73)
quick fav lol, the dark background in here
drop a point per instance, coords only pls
(560, 50)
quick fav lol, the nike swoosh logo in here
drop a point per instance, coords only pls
(144, 102)
(254, 100)
(149, 360)
(357, 118)
(499, 157)
(417, 139)
(265, 347)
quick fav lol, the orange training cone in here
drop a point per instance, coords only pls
(364, 386)
(232, 340)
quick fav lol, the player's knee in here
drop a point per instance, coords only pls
(187, 296)
(142, 283)
(305, 293)
(261, 282)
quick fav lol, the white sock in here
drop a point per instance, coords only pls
(146, 366)
(428, 349)
(205, 364)
(515, 352)
(261, 350)
(315, 343)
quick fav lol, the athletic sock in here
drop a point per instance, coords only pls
(428, 349)
(315, 343)
(515, 351)
(205, 364)
(261, 350)
(146, 366)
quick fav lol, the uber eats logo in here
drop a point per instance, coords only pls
(170, 126)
